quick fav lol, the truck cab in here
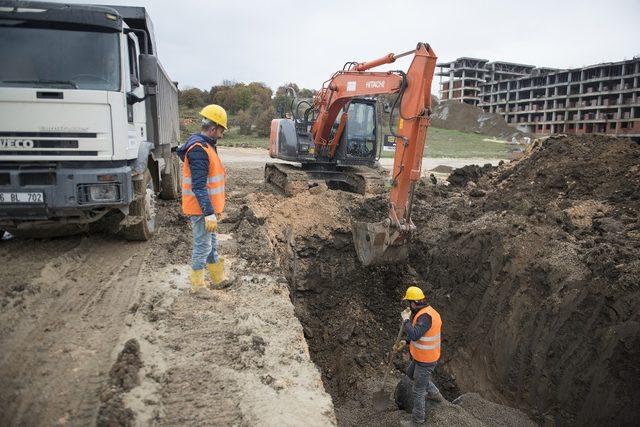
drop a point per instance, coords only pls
(88, 119)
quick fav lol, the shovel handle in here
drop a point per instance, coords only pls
(386, 371)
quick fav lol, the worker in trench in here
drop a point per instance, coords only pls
(422, 324)
(203, 197)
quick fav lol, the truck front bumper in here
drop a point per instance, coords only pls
(71, 195)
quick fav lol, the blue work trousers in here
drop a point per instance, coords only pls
(205, 244)
(421, 375)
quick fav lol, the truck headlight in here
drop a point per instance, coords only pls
(104, 192)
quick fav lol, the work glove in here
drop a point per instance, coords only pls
(211, 223)
(397, 347)
(406, 314)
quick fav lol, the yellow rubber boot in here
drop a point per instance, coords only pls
(216, 270)
(196, 278)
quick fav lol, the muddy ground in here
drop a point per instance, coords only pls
(533, 265)
(94, 330)
(536, 267)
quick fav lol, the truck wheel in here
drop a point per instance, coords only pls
(140, 224)
(171, 182)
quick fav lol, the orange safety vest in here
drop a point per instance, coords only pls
(215, 183)
(427, 348)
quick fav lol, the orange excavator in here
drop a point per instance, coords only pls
(338, 132)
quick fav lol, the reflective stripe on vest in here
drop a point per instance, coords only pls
(210, 191)
(215, 183)
(210, 179)
(427, 348)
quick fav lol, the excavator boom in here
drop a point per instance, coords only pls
(326, 142)
(386, 241)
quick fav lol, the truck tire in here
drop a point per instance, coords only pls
(171, 183)
(142, 211)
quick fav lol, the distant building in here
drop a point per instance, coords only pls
(598, 99)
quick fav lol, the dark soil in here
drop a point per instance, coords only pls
(123, 377)
(538, 279)
(533, 266)
(461, 176)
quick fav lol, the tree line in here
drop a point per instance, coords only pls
(250, 107)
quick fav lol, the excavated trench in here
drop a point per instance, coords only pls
(534, 270)
(350, 314)
(350, 317)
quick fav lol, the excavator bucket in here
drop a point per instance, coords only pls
(377, 244)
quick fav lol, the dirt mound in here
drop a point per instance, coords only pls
(122, 378)
(467, 118)
(538, 277)
(461, 176)
(571, 168)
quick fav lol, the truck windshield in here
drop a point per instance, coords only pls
(44, 57)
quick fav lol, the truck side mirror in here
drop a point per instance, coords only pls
(148, 70)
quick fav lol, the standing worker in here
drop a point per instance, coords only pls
(203, 194)
(422, 324)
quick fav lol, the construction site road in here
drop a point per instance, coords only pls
(96, 330)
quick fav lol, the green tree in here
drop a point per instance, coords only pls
(306, 93)
(192, 97)
(244, 121)
(260, 94)
(282, 99)
(263, 122)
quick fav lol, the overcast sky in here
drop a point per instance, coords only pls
(202, 42)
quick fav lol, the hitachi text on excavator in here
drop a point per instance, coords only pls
(337, 135)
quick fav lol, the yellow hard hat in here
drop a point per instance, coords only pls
(414, 293)
(216, 114)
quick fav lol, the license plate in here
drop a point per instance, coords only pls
(21, 198)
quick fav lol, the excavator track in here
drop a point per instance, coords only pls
(291, 179)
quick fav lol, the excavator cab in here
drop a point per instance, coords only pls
(359, 141)
(351, 168)
(291, 138)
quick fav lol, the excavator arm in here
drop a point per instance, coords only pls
(386, 241)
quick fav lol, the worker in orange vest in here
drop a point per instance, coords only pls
(203, 196)
(423, 325)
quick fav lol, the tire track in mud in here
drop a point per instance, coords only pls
(96, 330)
(56, 358)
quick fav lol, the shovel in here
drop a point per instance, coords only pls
(381, 398)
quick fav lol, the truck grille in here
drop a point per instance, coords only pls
(48, 153)
(37, 178)
(48, 135)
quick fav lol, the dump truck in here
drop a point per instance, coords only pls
(88, 120)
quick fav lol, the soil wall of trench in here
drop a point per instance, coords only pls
(534, 267)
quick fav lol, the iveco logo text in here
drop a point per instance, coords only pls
(374, 84)
(16, 143)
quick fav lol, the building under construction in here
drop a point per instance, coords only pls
(601, 98)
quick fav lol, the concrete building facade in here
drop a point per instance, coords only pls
(465, 77)
(598, 99)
